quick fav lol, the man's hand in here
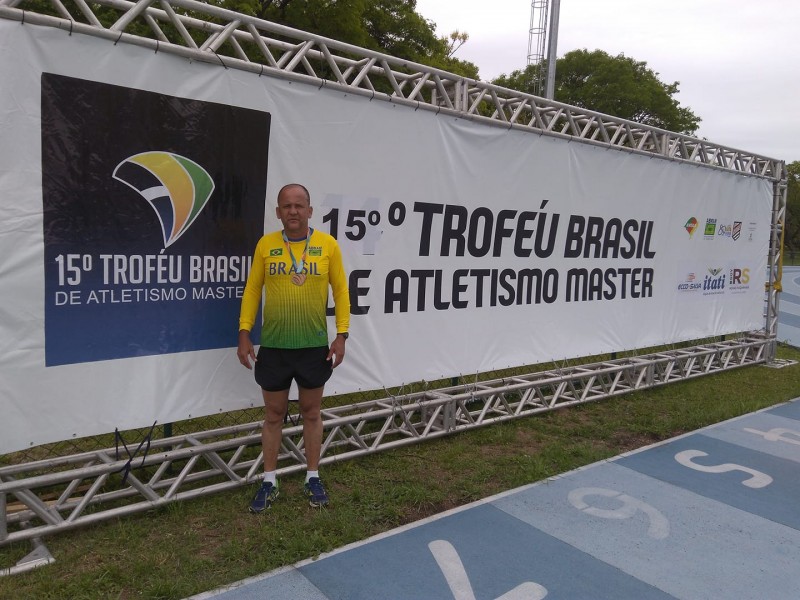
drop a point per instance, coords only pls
(337, 351)
(245, 351)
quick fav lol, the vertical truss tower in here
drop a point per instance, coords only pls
(537, 42)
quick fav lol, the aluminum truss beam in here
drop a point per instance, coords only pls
(205, 32)
(774, 262)
(50, 496)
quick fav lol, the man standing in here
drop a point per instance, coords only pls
(294, 266)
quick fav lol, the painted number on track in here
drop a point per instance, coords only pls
(756, 480)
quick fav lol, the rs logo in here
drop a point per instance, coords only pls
(740, 276)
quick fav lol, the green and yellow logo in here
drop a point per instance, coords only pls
(276, 252)
(177, 188)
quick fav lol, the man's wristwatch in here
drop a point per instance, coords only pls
(345, 335)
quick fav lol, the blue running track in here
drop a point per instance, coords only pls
(713, 514)
(789, 309)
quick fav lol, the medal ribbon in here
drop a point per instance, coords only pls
(297, 267)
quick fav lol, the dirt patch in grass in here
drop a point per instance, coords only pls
(625, 441)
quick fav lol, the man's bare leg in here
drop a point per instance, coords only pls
(275, 405)
(310, 405)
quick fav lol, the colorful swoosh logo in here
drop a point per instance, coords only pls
(177, 188)
(690, 226)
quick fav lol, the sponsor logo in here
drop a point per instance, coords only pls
(276, 252)
(710, 229)
(736, 232)
(176, 188)
(691, 226)
(739, 280)
(689, 283)
(751, 229)
(724, 230)
(312, 251)
(714, 281)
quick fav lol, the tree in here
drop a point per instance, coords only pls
(389, 26)
(524, 80)
(614, 85)
(340, 20)
(394, 27)
(455, 40)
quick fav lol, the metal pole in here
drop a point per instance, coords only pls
(3, 517)
(552, 44)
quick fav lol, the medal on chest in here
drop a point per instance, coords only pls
(298, 277)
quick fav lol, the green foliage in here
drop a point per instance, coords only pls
(523, 80)
(621, 86)
(340, 20)
(613, 85)
(388, 26)
(392, 27)
(395, 28)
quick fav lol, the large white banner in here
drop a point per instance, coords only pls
(135, 186)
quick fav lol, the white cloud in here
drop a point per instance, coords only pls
(735, 61)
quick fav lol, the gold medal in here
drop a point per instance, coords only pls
(299, 278)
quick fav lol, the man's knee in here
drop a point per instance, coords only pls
(310, 399)
(274, 414)
(310, 412)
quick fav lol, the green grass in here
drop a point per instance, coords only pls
(194, 546)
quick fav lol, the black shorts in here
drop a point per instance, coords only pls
(276, 367)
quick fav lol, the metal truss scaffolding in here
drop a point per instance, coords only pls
(50, 496)
(82, 489)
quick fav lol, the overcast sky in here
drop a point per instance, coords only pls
(737, 61)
